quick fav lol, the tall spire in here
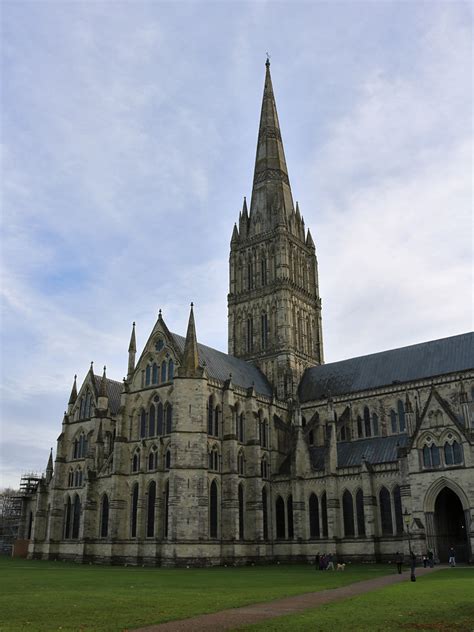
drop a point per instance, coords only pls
(271, 191)
(190, 366)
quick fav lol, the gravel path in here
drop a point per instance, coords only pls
(235, 617)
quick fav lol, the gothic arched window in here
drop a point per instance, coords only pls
(249, 276)
(280, 517)
(169, 418)
(249, 334)
(397, 503)
(313, 516)
(67, 519)
(265, 513)
(168, 460)
(263, 269)
(368, 430)
(142, 424)
(155, 373)
(324, 514)
(167, 510)
(240, 428)
(136, 461)
(289, 513)
(150, 518)
(134, 511)
(159, 419)
(401, 415)
(170, 370)
(241, 512)
(213, 510)
(360, 431)
(104, 516)
(360, 513)
(76, 517)
(153, 459)
(148, 375)
(375, 424)
(348, 513)
(264, 331)
(241, 463)
(452, 453)
(210, 415)
(385, 511)
(163, 371)
(393, 421)
(151, 421)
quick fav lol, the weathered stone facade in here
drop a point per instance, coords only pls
(267, 453)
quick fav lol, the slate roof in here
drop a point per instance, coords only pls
(220, 365)
(350, 453)
(114, 390)
(421, 361)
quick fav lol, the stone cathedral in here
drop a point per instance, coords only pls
(266, 453)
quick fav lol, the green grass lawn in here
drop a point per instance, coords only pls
(443, 601)
(62, 596)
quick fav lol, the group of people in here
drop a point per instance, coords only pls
(324, 562)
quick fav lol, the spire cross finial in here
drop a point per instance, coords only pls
(267, 63)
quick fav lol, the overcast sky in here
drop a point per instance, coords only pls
(129, 132)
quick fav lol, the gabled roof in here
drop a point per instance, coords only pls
(114, 390)
(221, 365)
(352, 453)
(407, 364)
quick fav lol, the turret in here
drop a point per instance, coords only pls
(73, 396)
(49, 468)
(132, 350)
(190, 365)
(464, 404)
(103, 399)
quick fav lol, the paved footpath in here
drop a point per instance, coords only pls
(232, 619)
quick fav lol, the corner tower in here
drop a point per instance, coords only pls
(273, 304)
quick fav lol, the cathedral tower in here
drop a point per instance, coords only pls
(274, 305)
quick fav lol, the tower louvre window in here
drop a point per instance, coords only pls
(249, 334)
(263, 270)
(264, 330)
(163, 371)
(249, 276)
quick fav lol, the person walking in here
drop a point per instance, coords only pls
(452, 557)
(399, 561)
(316, 561)
(412, 566)
(431, 558)
(330, 562)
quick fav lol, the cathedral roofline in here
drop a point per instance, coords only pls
(394, 366)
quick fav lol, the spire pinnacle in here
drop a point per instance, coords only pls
(132, 347)
(271, 185)
(103, 384)
(190, 366)
(49, 467)
(73, 396)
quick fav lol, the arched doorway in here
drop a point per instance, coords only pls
(450, 526)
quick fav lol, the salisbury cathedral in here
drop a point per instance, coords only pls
(266, 453)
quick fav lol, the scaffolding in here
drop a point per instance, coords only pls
(11, 503)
